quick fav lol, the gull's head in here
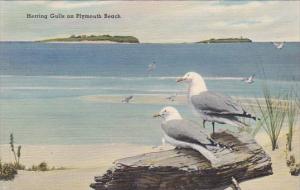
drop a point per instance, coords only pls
(189, 77)
(195, 81)
(168, 113)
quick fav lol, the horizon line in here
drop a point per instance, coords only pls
(196, 42)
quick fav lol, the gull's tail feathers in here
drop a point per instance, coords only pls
(248, 115)
(202, 150)
(236, 123)
(206, 153)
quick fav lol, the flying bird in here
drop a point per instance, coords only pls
(185, 134)
(211, 106)
(278, 45)
(249, 80)
(172, 97)
(151, 67)
(127, 99)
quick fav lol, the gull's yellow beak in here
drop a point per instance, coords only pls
(156, 115)
(180, 79)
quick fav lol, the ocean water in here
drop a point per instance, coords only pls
(43, 85)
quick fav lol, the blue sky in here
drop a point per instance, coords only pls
(152, 21)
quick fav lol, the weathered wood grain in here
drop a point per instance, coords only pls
(186, 169)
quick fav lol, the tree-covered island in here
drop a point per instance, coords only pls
(95, 38)
(227, 40)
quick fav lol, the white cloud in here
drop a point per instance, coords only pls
(74, 5)
(68, 4)
(165, 21)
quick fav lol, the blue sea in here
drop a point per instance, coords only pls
(42, 85)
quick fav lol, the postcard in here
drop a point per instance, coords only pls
(149, 95)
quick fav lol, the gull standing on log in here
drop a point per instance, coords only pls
(185, 134)
(212, 106)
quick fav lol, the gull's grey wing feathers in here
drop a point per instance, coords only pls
(187, 131)
(216, 103)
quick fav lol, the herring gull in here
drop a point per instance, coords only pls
(172, 97)
(127, 99)
(249, 80)
(151, 67)
(278, 45)
(211, 106)
(185, 134)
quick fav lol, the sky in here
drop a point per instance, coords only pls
(154, 21)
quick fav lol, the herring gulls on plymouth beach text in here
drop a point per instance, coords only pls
(185, 134)
(212, 106)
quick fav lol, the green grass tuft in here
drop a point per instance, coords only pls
(273, 113)
(43, 166)
(292, 111)
(7, 171)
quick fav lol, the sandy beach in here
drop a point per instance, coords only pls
(281, 178)
(83, 162)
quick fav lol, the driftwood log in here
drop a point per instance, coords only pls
(186, 169)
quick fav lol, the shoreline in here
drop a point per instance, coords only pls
(83, 162)
(158, 99)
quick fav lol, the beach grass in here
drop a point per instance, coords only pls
(43, 166)
(16, 154)
(292, 113)
(7, 171)
(273, 113)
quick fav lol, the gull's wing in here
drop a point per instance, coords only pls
(216, 103)
(184, 130)
(171, 97)
(278, 45)
(251, 77)
(150, 66)
(281, 45)
(127, 99)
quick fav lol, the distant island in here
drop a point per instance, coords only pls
(227, 40)
(95, 38)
